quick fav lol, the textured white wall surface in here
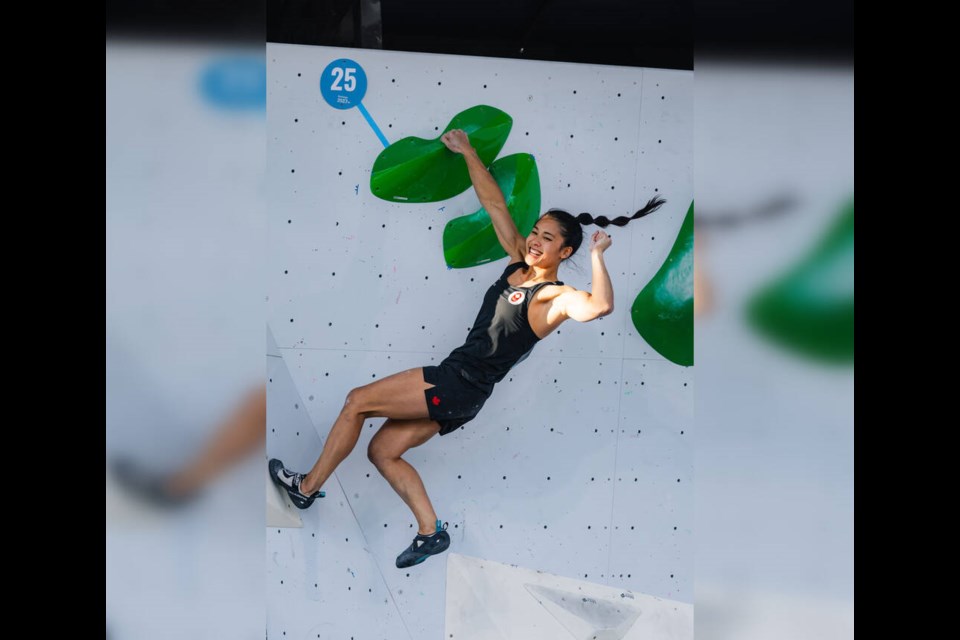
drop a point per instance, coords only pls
(488, 600)
(580, 463)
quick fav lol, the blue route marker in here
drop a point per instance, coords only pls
(343, 85)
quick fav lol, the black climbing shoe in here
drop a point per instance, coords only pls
(425, 546)
(290, 481)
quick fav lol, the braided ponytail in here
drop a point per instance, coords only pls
(571, 226)
(603, 221)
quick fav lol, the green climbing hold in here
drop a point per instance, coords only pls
(810, 308)
(471, 240)
(663, 310)
(418, 170)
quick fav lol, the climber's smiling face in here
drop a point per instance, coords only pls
(545, 244)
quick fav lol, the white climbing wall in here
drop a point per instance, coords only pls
(495, 601)
(580, 464)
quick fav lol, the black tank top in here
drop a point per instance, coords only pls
(501, 335)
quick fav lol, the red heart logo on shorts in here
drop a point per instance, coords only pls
(436, 400)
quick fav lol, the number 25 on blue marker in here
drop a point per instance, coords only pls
(343, 84)
(341, 74)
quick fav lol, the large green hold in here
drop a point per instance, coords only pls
(810, 308)
(663, 310)
(418, 170)
(471, 240)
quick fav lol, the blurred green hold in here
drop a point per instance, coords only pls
(418, 170)
(663, 310)
(471, 240)
(810, 308)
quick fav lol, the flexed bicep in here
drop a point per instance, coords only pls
(579, 305)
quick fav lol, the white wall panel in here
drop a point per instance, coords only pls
(539, 478)
(492, 601)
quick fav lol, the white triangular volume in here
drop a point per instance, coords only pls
(468, 614)
(492, 601)
(584, 617)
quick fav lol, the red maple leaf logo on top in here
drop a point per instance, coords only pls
(436, 400)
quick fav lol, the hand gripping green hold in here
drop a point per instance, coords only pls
(810, 308)
(471, 240)
(663, 310)
(418, 170)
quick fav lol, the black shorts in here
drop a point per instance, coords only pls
(454, 401)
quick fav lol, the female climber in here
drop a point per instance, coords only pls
(521, 308)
